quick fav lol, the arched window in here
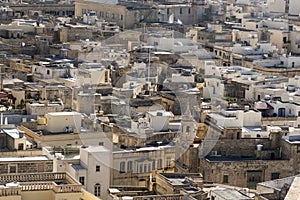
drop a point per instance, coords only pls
(97, 190)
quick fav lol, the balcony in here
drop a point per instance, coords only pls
(58, 182)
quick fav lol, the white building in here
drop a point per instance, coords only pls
(16, 139)
(63, 122)
(276, 6)
(294, 8)
(159, 119)
(94, 169)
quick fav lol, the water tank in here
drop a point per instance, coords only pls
(259, 147)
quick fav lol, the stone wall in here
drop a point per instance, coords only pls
(237, 171)
(27, 166)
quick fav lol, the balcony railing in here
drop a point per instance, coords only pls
(10, 191)
(7, 178)
(36, 182)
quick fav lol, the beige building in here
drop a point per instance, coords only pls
(25, 164)
(173, 183)
(13, 139)
(43, 108)
(46, 186)
(125, 14)
(133, 167)
(59, 122)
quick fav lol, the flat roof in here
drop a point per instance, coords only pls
(229, 159)
(163, 113)
(27, 158)
(63, 113)
(152, 148)
(177, 181)
(77, 167)
(14, 133)
(293, 192)
(95, 149)
(230, 194)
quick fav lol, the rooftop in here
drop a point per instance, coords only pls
(161, 113)
(20, 159)
(230, 194)
(293, 192)
(14, 133)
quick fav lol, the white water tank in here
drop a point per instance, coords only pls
(259, 147)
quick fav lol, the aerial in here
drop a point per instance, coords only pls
(149, 100)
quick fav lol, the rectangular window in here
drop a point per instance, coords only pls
(81, 180)
(141, 168)
(153, 165)
(159, 164)
(12, 169)
(20, 146)
(274, 176)
(298, 148)
(97, 168)
(168, 162)
(225, 178)
(129, 166)
(122, 167)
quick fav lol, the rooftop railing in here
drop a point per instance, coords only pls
(41, 181)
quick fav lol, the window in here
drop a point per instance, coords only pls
(141, 168)
(97, 190)
(48, 71)
(101, 143)
(159, 164)
(97, 168)
(81, 180)
(129, 166)
(122, 167)
(12, 169)
(153, 165)
(281, 112)
(225, 178)
(187, 129)
(274, 176)
(168, 162)
(149, 167)
(145, 168)
(180, 10)
(20, 146)
(189, 10)
(298, 148)
(284, 39)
